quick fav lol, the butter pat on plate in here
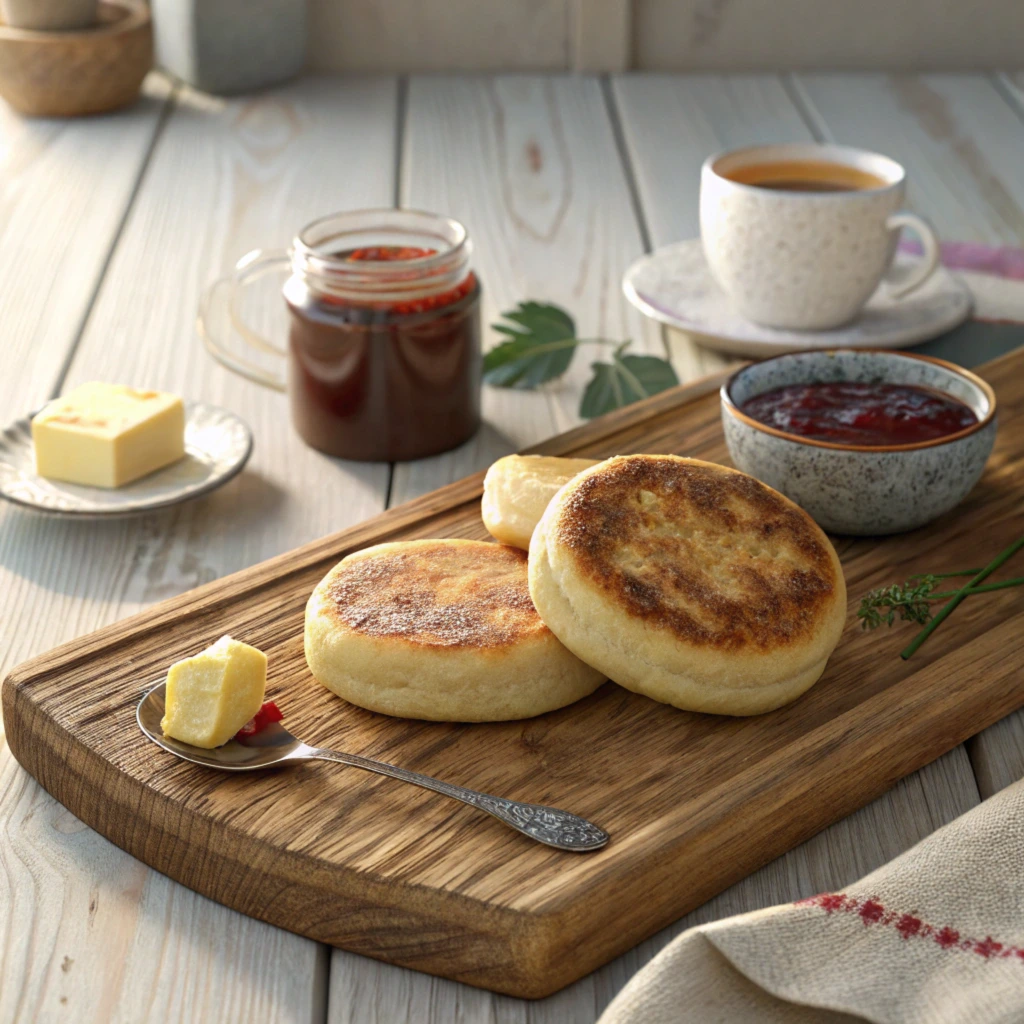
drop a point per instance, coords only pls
(107, 435)
(212, 695)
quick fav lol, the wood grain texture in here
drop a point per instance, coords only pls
(671, 124)
(81, 895)
(959, 139)
(66, 186)
(530, 166)
(229, 177)
(364, 990)
(421, 882)
(224, 178)
(962, 142)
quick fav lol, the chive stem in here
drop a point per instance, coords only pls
(985, 588)
(945, 575)
(963, 592)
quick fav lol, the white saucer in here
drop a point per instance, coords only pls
(673, 285)
(217, 445)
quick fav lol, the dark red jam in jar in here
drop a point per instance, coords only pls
(384, 344)
(872, 414)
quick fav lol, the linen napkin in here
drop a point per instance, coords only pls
(935, 936)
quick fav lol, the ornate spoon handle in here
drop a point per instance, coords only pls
(547, 825)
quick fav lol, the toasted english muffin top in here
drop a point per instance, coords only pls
(436, 593)
(710, 554)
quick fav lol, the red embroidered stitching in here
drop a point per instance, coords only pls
(871, 911)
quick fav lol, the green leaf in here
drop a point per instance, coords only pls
(646, 374)
(603, 393)
(539, 349)
(626, 379)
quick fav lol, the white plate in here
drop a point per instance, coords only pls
(674, 285)
(217, 445)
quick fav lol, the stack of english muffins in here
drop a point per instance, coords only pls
(693, 584)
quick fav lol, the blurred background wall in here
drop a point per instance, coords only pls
(677, 35)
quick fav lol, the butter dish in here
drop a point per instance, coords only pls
(217, 446)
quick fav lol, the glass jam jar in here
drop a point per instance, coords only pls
(383, 354)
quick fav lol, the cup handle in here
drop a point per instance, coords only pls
(906, 283)
(248, 269)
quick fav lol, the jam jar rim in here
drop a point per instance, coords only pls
(384, 280)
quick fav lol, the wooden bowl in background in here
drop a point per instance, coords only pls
(89, 71)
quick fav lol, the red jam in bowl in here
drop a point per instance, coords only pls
(868, 414)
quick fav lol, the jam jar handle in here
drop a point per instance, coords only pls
(249, 268)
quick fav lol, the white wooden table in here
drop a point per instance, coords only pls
(110, 228)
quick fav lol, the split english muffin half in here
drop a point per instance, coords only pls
(517, 489)
(442, 630)
(691, 583)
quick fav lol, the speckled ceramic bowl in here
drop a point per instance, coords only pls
(852, 489)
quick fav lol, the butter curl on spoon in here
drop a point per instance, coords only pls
(199, 714)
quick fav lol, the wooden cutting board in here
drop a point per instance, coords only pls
(693, 802)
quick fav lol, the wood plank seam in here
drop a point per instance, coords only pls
(401, 127)
(629, 173)
(165, 113)
(960, 138)
(223, 176)
(803, 105)
(403, 986)
(671, 123)
(1004, 86)
(404, 187)
(806, 108)
(321, 985)
(397, 518)
(857, 845)
(869, 744)
(528, 164)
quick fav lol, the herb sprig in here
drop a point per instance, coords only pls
(914, 600)
(541, 342)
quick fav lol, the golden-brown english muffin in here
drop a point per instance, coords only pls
(439, 629)
(518, 488)
(691, 583)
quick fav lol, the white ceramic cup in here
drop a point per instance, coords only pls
(807, 260)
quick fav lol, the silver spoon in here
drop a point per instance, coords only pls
(275, 745)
